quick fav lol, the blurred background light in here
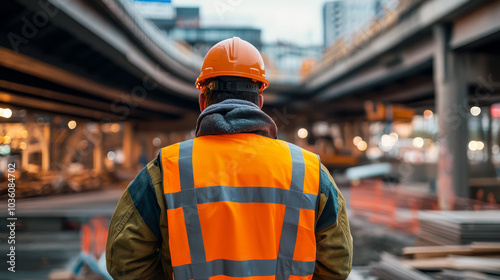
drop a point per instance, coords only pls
(156, 142)
(480, 145)
(475, 111)
(111, 155)
(5, 113)
(418, 142)
(387, 141)
(24, 133)
(302, 133)
(476, 145)
(428, 114)
(356, 140)
(473, 145)
(362, 145)
(72, 124)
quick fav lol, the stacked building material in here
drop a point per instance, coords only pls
(458, 227)
(390, 268)
(458, 262)
(462, 261)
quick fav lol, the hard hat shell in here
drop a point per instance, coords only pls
(233, 57)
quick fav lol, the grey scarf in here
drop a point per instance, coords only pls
(233, 116)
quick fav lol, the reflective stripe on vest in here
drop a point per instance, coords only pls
(240, 205)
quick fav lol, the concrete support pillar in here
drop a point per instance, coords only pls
(365, 131)
(345, 127)
(451, 95)
(25, 158)
(489, 136)
(356, 130)
(45, 146)
(98, 156)
(136, 149)
(127, 145)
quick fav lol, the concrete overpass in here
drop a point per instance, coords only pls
(92, 60)
(436, 54)
(398, 64)
(98, 60)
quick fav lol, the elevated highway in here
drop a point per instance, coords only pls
(397, 64)
(92, 59)
(435, 54)
(99, 60)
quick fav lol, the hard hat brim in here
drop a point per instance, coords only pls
(201, 79)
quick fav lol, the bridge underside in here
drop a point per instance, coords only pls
(404, 72)
(51, 63)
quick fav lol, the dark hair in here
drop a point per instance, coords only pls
(216, 96)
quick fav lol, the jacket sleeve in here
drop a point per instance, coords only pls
(134, 239)
(333, 235)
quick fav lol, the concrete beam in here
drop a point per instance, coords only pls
(406, 92)
(476, 25)
(452, 109)
(98, 157)
(410, 60)
(423, 18)
(37, 68)
(80, 101)
(49, 106)
(84, 21)
(128, 139)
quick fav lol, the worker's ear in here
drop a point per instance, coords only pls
(201, 101)
(261, 100)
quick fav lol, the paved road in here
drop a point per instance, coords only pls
(87, 204)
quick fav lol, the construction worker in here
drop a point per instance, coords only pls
(234, 201)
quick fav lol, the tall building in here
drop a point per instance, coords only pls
(342, 17)
(187, 17)
(203, 38)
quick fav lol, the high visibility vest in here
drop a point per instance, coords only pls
(240, 205)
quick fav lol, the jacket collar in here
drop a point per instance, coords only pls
(233, 116)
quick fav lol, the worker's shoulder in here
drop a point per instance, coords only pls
(328, 187)
(154, 170)
(291, 145)
(143, 194)
(252, 140)
(170, 151)
(146, 180)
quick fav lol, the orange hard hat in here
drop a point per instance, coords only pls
(233, 57)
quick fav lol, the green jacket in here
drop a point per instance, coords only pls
(137, 246)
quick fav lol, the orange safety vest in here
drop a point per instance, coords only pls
(241, 205)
